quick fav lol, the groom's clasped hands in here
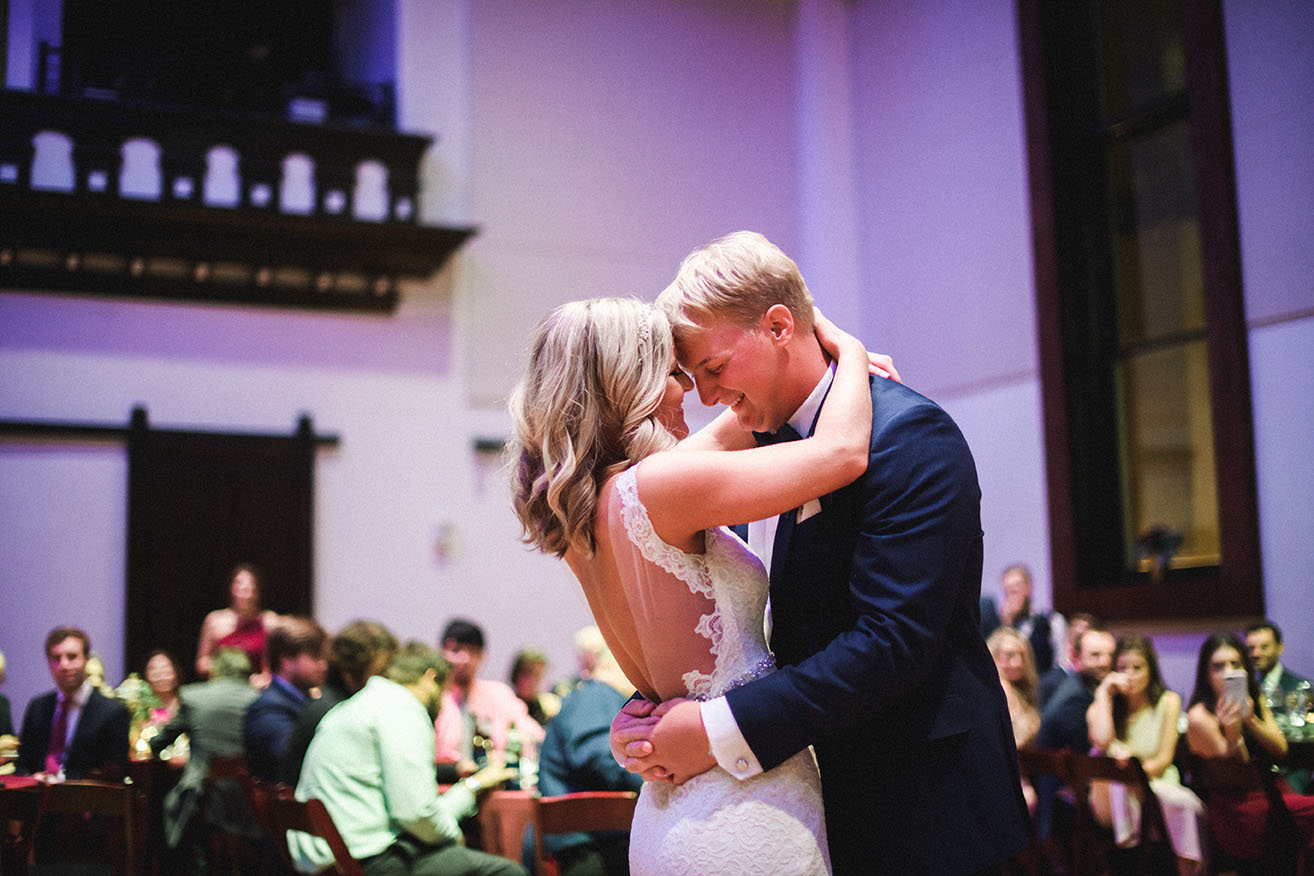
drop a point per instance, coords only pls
(662, 743)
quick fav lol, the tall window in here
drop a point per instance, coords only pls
(1146, 384)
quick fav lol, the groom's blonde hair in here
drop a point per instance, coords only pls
(736, 277)
(584, 411)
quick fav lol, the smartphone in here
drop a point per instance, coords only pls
(1234, 686)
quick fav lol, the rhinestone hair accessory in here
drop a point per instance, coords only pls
(644, 325)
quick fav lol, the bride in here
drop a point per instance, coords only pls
(601, 477)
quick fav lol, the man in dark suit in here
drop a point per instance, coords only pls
(296, 656)
(1063, 721)
(1016, 611)
(75, 728)
(1066, 666)
(875, 595)
(1264, 642)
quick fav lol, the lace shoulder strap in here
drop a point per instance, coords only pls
(689, 568)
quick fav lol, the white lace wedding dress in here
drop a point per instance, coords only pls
(714, 824)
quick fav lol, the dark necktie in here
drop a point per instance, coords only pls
(784, 433)
(58, 732)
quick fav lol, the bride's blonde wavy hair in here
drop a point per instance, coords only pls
(584, 411)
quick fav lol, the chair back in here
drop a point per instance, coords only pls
(584, 811)
(1154, 853)
(20, 809)
(234, 810)
(113, 805)
(286, 812)
(1049, 772)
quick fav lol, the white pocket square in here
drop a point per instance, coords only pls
(810, 508)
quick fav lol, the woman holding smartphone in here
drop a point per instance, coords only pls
(1220, 724)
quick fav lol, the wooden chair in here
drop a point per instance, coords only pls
(100, 820)
(585, 811)
(287, 813)
(20, 810)
(1050, 771)
(1282, 842)
(235, 852)
(1153, 855)
(503, 817)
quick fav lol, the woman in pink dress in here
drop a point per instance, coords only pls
(241, 625)
(164, 676)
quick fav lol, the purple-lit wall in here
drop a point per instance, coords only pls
(594, 145)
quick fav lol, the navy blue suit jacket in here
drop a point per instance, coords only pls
(875, 606)
(268, 726)
(100, 741)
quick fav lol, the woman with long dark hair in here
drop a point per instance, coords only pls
(1221, 727)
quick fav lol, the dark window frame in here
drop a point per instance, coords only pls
(1081, 582)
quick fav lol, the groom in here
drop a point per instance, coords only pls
(874, 600)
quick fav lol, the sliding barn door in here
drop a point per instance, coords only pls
(199, 503)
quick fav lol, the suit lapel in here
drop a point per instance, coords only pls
(780, 548)
(87, 720)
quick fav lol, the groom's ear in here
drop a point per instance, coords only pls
(778, 322)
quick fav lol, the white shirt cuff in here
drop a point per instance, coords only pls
(728, 746)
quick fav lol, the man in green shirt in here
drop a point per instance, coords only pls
(371, 763)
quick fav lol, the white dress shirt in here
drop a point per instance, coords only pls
(727, 742)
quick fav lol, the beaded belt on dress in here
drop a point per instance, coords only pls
(757, 670)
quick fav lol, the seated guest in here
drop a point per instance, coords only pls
(164, 676)
(211, 714)
(296, 653)
(371, 763)
(1220, 727)
(1017, 675)
(360, 650)
(1039, 628)
(576, 756)
(1264, 643)
(74, 729)
(1133, 714)
(589, 644)
(1063, 720)
(472, 704)
(527, 681)
(1065, 666)
(241, 625)
(8, 740)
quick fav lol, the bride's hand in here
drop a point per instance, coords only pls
(666, 705)
(833, 340)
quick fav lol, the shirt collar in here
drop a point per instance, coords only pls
(1272, 677)
(80, 696)
(806, 415)
(289, 687)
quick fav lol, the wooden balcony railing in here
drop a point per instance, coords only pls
(109, 197)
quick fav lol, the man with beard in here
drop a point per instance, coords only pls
(296, 656)
(1063, 722)
(371, 763)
